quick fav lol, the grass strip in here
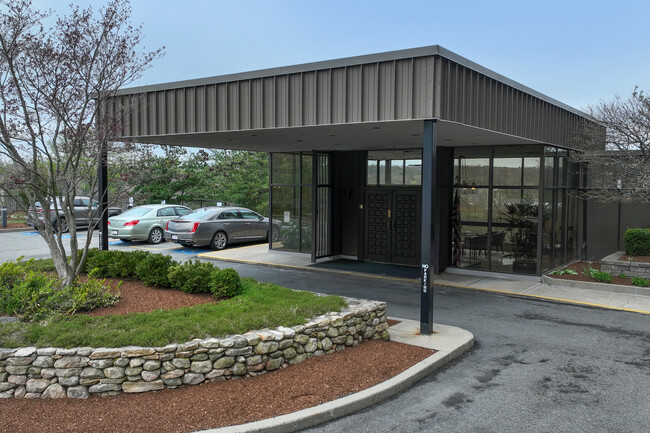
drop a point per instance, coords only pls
(261, 305)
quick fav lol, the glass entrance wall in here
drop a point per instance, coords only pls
(498, 224)
(291, 200)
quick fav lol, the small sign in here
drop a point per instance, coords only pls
(425, 277)
(287, 216)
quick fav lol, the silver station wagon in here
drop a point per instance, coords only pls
(219, 227)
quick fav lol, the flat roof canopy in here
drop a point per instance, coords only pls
(380, 135)
(368, 102)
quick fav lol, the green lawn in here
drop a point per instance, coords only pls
(261, 305)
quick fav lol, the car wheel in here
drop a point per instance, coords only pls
(155, 236)
(63, 228)
(219, 241)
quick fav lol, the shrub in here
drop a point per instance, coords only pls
(564, 272)
(639, 282)
(622, 275)
(226, 283)
(192, 276)
(637, 242)
(600, 276)
(115, 263)
(10, 274)
(153, 269)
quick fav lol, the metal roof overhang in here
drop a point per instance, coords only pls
(378, 101)
(359, 136)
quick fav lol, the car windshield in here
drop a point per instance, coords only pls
(136, 212)
(198, 214)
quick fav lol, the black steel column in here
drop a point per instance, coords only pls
(429, 253)
(102, 175)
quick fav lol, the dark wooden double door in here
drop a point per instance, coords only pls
(392, 225)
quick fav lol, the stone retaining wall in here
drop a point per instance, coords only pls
(84, 371)
(615, 266)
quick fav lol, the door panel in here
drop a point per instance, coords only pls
(406, 227)
(392, 225)
(377, 233)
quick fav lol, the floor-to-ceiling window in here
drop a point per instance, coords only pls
(291, 200)
(497, 220)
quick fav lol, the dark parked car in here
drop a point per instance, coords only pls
(85, 214)
(219, 226)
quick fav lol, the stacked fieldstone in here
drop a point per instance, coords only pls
(80, 372)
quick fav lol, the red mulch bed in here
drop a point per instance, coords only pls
(16, 226)
(210, 405)
(581, 267)
(644, 259)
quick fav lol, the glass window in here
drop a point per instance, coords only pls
(306, 168)
(182, 211)
(286, 209)
(249, 215)
(531, 171)
(413, 172)
(284, 168)
(396, 172)
(382, 172)
(507, 171)
(394, 167)
(372, 172)
(166, 212)
(228, 215)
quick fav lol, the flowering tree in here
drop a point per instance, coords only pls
(619, 162)
(53, 82)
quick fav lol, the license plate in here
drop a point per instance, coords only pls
(114, 232)
(174, 237)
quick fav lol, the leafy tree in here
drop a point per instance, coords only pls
(243, 178)
(176, 175)
(54, 81)
(619, 161)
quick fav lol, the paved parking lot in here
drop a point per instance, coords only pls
(536, 366)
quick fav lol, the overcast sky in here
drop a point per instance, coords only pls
(578, 52)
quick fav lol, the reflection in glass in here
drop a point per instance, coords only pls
(305, 220)
(396, 172)
(507, 171)
(372, 172)
(519, 219)
(531, 171)
(284, 168)
(285, 208)
(413, 172)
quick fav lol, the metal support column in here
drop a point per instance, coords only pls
(102, 175)
(429, 253)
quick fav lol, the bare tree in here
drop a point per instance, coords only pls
(53, 82)
(619, 161)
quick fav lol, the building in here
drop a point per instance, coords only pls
(418, 157)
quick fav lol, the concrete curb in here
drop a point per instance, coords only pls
(602, 287)
(455, 342)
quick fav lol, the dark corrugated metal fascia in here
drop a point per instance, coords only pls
(285, 70)
(435, 50)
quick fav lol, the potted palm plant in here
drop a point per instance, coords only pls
(521, 219)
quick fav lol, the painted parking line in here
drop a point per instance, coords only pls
(38, 234)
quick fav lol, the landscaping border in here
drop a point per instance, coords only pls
(32, 372)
